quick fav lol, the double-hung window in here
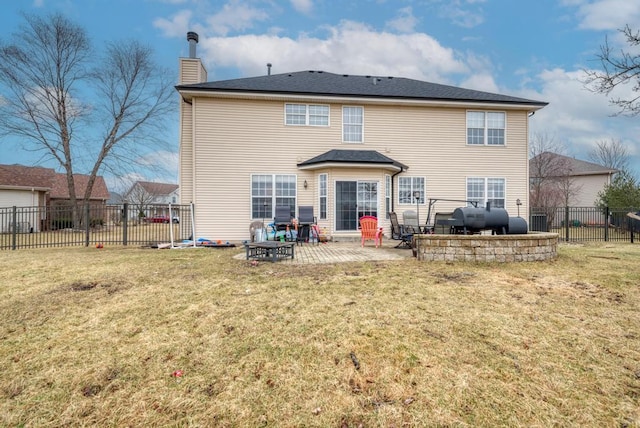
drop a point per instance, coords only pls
(352, 124)
(271, 190)
(306, 114)
(483, 190)
(408, 187)
(486, 128)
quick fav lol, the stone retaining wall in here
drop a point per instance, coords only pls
(487, 248)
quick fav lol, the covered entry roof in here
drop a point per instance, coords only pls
(351, 159)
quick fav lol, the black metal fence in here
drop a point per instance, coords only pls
(57, 226)
(586, 223)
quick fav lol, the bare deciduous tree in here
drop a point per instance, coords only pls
(618, 68)
(612, 154)
(87, 112)
(552, 184)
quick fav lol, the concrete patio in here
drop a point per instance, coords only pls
(343, 251)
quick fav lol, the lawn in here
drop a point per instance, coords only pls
(141, 337)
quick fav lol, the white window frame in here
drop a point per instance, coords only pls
(323, 190)
(487, 121)
(416, 183)
(272, 191)
(346, 124)
(387, 194)
(488, 191)
(307, 114)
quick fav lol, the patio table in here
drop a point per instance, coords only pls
(270, 250)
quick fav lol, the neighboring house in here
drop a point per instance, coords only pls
(580, 180)
(148, 198)
(347, 145)
(26, 186)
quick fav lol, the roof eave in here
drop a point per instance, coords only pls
(347, 164)
(189, 93)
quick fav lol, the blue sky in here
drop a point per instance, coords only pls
(533, 49)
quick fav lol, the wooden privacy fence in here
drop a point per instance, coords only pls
(574, 224)
(124, 224)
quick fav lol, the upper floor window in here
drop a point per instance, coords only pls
(408, 187)
(306, 114)
(486, 128)
(352, 124)
(483, 190)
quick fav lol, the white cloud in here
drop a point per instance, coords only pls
(235, 16)
(350, 47)
(177, 26)
(577, 116)
(607, 14)
(461, 12)
(303, 6)
(404, 23)
(38, 3)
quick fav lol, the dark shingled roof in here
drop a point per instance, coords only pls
(353, 156)
(312, 82)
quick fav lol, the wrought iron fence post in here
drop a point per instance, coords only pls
(87, 225)
(14, 235)
(566, 224)
(606, 223)
(125, 222)
(630, 228)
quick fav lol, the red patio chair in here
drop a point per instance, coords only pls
(369, 230)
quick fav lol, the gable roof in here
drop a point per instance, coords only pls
(157, 189)
(60, 189)
(26, 177)
(312, 82)
(575, 166)
(366, 158)
(46, 179)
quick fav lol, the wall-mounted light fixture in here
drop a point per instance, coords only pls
(305, 184)
(518, 203)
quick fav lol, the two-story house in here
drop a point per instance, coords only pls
(347, 145)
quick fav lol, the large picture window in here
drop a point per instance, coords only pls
(306, 115)
(269, 191)
(483, 190)
(486, 128)
(406, 188)
(352, 124)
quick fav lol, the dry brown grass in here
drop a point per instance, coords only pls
(91, 337)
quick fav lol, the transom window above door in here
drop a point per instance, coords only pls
(306, 115)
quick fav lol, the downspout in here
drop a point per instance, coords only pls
(393, 199)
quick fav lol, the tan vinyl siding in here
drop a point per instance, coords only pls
(237, 138)
(587, 188)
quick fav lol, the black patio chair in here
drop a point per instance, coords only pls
(307, 225)
(398, 233)
(282, 220)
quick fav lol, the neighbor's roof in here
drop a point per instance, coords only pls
(575, 166)
(157, 189)
(60, 189)
(27, 177)
(351, 157)
(46, 179)
(312, 82)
